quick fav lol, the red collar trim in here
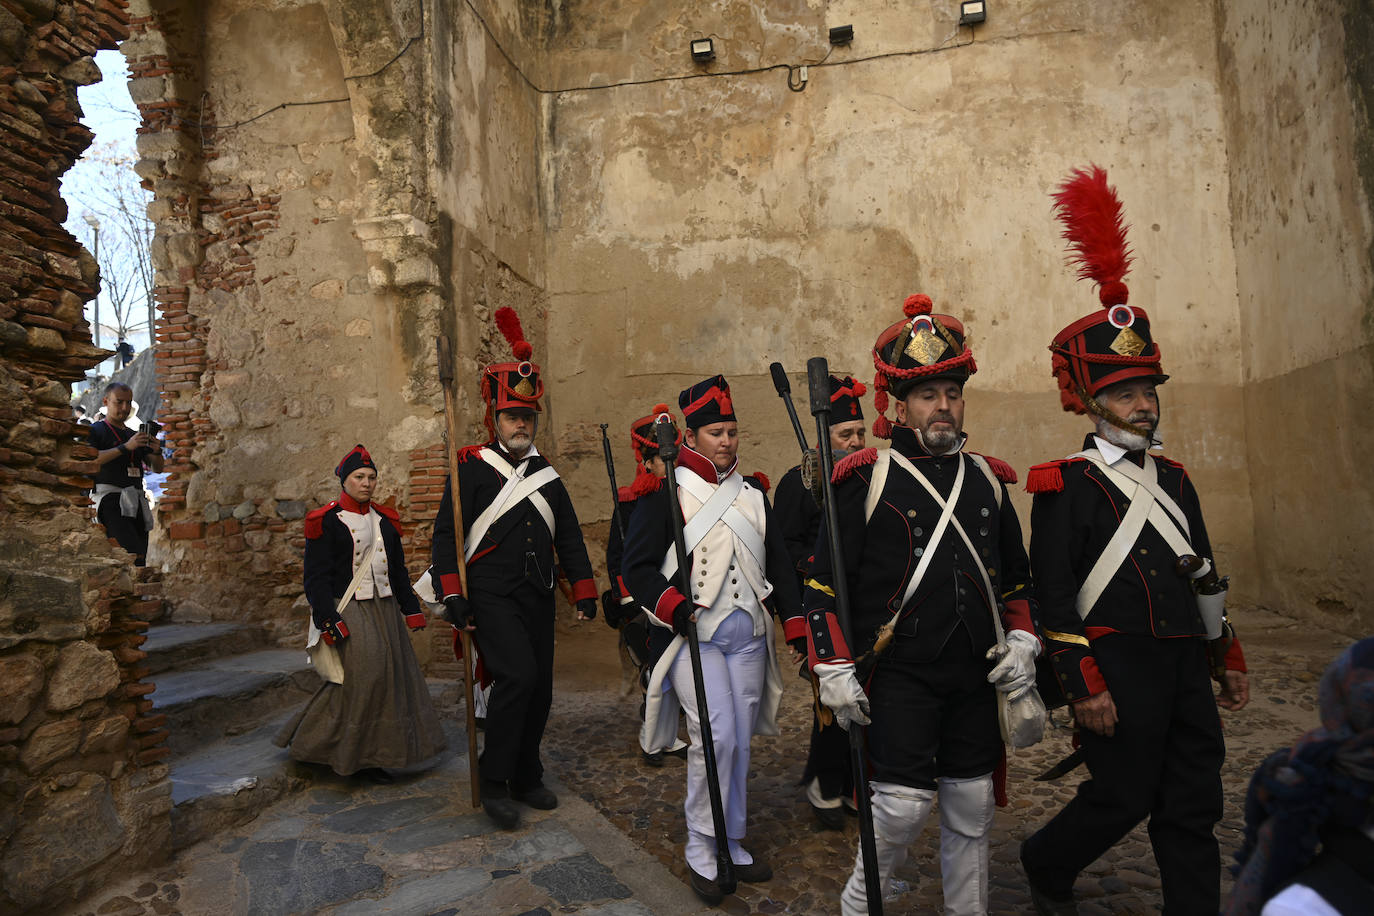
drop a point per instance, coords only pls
(702, 466)
(349, 504)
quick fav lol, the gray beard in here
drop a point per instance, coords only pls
(1120, 438)
(940, 443)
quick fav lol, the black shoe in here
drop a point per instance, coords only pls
(654, 760)
(756, 872)
(707, 889)
(830, 818)
(377, 776)
(1045, 903)
(680, 753)
(502, 812)
(536, 797)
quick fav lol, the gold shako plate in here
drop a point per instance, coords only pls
(1128, 343)
(926, 346)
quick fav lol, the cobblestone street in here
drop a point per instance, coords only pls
(613, 847)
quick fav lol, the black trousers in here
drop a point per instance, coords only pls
(128, 532)
(828, 760)
(934, 718)
(1164, 763)
(515, 639)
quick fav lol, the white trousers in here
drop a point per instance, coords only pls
(734, 665)
(899, 813)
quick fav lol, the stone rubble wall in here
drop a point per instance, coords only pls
(83, 779)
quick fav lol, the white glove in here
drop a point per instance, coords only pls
(841, 691)
(1014, 672)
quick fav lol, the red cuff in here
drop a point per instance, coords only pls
(415, 621)
(1235, 658)
(620, 586)
(1018, 617)
(667, 603)
(794, 628)
(1092, 678)
(450, 584)
(584, 589)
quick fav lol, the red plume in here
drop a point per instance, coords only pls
(1091, 213)
(509, 324)
(660, 409)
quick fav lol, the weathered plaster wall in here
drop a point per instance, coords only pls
(83, 786)
(1298, 79)
(717, 224)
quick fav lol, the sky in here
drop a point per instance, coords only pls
(112, 115)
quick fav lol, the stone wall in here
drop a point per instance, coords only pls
(337, 182)
(1299, 87)
(83, 789)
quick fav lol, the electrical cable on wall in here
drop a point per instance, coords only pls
(797, 77)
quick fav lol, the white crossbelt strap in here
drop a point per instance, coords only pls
(516, 489)
(1141, 487)
(947, 512)
(716, 506)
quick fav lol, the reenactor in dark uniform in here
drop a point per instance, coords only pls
(517, 514)
(1126, 630)
(741, 578)
(828, 777)
(644, 642)
(936, 570)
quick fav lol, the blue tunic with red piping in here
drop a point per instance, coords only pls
(881, 555)
(1074, 514)
(329, 560)
(518, 547)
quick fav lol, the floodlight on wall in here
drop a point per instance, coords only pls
(972, 12)
(841, 34)
(703, 49)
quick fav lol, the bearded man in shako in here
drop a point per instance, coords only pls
(1124, 628)
(740, 575)
(933, 551)
(517, 515)
(644, 641)
(828, 776)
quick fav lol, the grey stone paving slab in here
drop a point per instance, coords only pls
(380, 817)
(227, 677)
(545, 842)
(619, 908)
(165, 636)
(430, 833)
(423, 895)
(291, 876)
(579, 879)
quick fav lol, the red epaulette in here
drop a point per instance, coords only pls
(761, 479)
(314, 522)
(625, 495)
(469, 451)
(390, 514)
(850, 462)
(1048, 477)
(645, 484)
(1000, 469)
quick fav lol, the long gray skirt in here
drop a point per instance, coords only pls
(381, 715)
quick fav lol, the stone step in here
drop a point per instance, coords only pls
(228, 696)
(229, 782)
(180, 645)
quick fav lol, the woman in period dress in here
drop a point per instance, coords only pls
(380, 717)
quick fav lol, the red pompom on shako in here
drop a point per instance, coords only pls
(922, 347)
(644, 441)
(512, 384)
(1112, 344)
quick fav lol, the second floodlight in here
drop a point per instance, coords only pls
(703, 49)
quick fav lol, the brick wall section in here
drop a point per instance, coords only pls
(429, 469)
(80, 753)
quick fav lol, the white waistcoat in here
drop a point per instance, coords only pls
(364, 528)
(725, 575)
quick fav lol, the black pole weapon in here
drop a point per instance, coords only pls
(615, 490)
(818, 378)
(668, 451)
(784, 387)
